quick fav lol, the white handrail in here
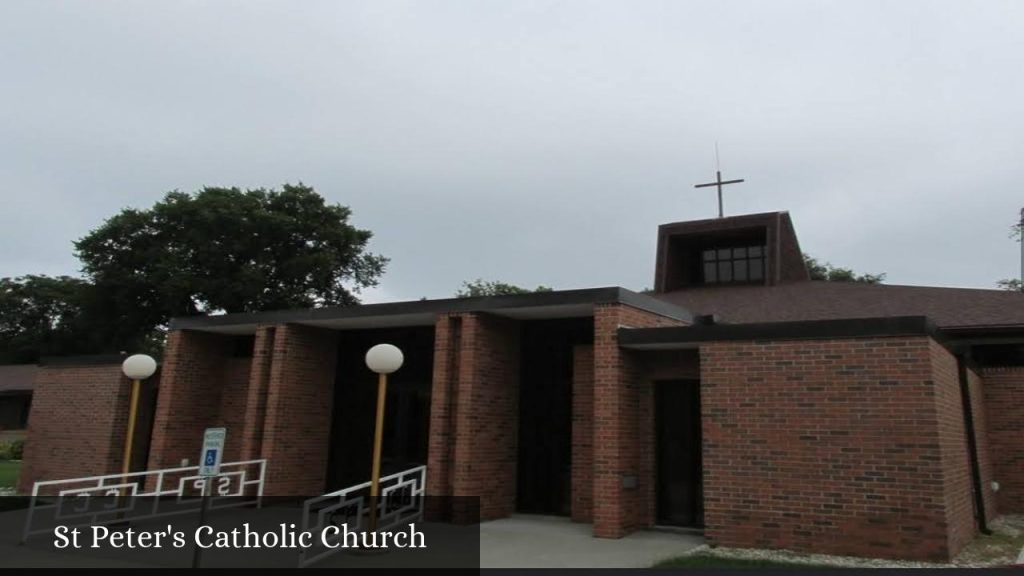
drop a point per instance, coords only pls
(406, 487)
(236, 479)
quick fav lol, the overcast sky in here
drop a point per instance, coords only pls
(531, 142)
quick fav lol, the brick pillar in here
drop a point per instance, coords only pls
(256, 397)
(623, 494)
(441, 446)
(444, 380)
(190, 395)
(300, 400)
(582, 433)
(486, 414)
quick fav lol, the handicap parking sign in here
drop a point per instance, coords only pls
(213, 450)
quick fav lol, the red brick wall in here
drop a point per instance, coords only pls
(840, 446)
(194, 371)
(956, 472)
(623, 433)
(441, 444)
(984, 450)
(300, 399)
(256, 395)
(582, 508)
(77, 423)
(234, 392)
(486, 416)
(1003, 390)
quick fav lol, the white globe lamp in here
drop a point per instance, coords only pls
(384, 358)
(138, 366)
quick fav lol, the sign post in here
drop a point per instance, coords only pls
(209, 466)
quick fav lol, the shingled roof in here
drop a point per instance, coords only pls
(947, 307)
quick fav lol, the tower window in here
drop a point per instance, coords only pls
(733, 265)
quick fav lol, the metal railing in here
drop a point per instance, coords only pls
(169, 491)
(400, 502)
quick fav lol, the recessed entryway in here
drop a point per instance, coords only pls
(678, 445)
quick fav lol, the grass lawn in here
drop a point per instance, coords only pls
(708, 561)
(9, 470)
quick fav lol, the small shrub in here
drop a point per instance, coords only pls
(13, 450)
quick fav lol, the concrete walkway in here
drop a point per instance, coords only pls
(525, 541)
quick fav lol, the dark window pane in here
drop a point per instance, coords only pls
(725, 271)
(754, 251)
(709, 255)
(757, 269)
(739, 253)
(723, 253)
(739, 270)
(710, 272)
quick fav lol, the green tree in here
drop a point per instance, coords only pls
(217, 250)
(1013, 284)
(480, 287)
(42, 315)
(227, 250)
(829, 273)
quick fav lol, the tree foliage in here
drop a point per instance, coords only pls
(1013, 284)
(480, 287)
(216, 250)
(223, 249)
(41, 315)
(829, 273)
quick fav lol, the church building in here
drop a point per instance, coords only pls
(738, 397)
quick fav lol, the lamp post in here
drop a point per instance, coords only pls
(382, 359)
(136, 367)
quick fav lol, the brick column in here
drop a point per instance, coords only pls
(582, 433)
(486, 414)
(441, 443)
(190, 395)
(256, 397)
(623, 493)
(300, 398)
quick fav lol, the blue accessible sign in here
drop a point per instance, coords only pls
(213, 451)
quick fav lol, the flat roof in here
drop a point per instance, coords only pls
(530, 306)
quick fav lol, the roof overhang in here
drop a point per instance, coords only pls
(531, 306)
(688, 337)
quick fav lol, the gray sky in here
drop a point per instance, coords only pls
(532, 142)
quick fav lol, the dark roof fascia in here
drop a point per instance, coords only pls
(800, 330)
(1004, 334)
(607, 295)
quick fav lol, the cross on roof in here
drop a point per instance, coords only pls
(719, 183)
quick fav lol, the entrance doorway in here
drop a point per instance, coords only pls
(678, 436)
(544, 470)
(407, 406)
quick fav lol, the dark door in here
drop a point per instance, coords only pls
(544, 466)
(677, 422)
